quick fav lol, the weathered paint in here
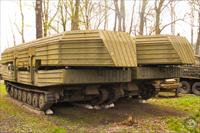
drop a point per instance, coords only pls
(77, 48)
(161, 72)
(164, 49)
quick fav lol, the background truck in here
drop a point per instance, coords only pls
(190, 78)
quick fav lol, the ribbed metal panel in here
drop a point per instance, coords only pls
(183, 48)
(7, 74)
(121, 48)
(81, 76)
(190, 71)
(164, 49)
(24, 77)
(77, 48)
(156, 72)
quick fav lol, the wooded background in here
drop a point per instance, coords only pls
(137, 17)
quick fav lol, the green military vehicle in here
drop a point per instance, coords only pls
(190, 78)
(158, 58)
(76, 66)
(94, 66)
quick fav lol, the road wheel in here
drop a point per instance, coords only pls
(11, 92)
(35, 100)
(24, 96)
(42, 102)
(15, 93)
(147, 91)
(102, 97)
(196, 88)
(19, 97)
(29, 98)
(114, 94)
(186, 87)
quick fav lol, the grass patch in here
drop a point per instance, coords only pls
(2, 90)
(180, 125)
(186, 103)
(189, 104)
(74, 119)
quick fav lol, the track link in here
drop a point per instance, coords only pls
(37, 99)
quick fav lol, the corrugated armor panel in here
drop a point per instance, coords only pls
(81, 76)
(96, 76)
(190, 71)
(121, 48)
(84, 48)
(77, 48)
(183, 48)
(24, 77)
(22, 58)
(50, 77)
(164, 49)
(155, 72)
(7, 74)
(7, 56)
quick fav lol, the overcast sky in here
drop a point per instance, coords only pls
(10, 14)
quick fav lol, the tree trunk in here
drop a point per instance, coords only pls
(123, 15)
(75, 17)
(105, 14)
(87, 22)
(142, 13)
(192, 24)
(22, 22)
(38, 14)
(172, 12)
(115, 23)
(158, 9)
(46, 17)
(197, 49)
(157, 27)
(118, 15)
(132, 16)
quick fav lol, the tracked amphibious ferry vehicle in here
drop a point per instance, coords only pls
(97, 67)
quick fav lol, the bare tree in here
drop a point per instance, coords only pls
(142, 16)
(119, 15)
(197, 49)
(75, 16)
(132, 16)
(123, 15)
(47, 20)
(63, 13)
(192, 22)
(158, 9)
(21, 29)
(38, 14)
(86, 12)
(172, 13)
(105, 14)
(195, 9)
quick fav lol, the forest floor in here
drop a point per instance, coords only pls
(165, 113)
